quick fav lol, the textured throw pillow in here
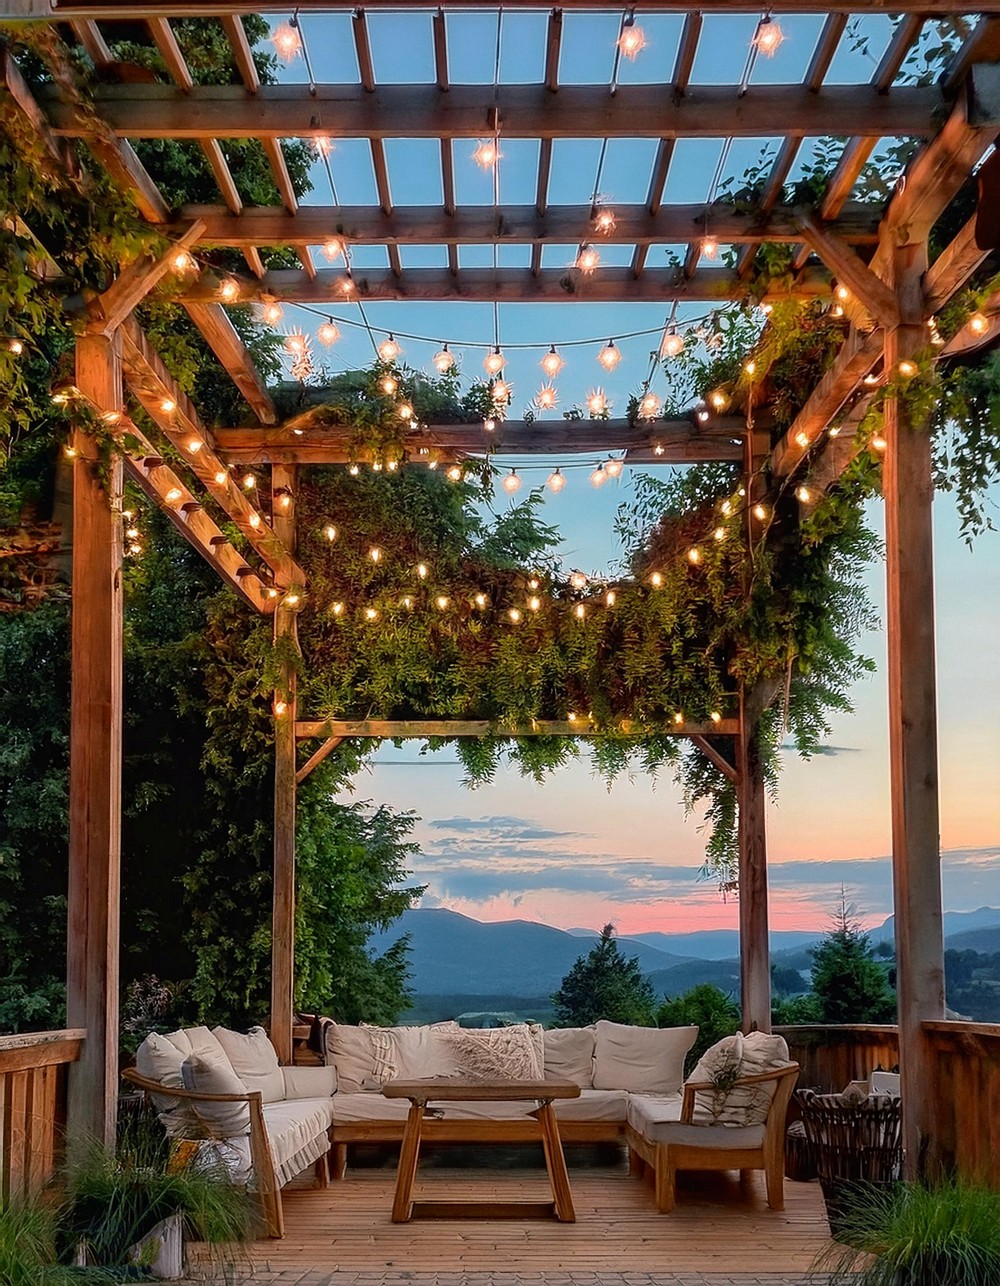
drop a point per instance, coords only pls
(215, 1076)
(159, 1059)
(762, 1052)
(496, 1053)
(718, 1066)
(416, 1053)
(645, 1060)
(349, 1049)
(254, 1061)
(367, 1056)
(569, 1055)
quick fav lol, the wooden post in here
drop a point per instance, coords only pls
(95, 759)
(916, 861)
(283, 478)
(755, 955)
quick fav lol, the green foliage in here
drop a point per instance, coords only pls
(28, 1235)
(705, 1006)
(604, 984)
(947, 1233)
(849, 984)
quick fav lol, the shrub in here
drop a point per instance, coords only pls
(715, 1013)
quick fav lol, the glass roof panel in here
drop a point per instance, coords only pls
(574, 170)
(654, 64)
(559, 256)
(522, 49)
(330, 41)
(414, 166)
(472, 48)
(692, 168)
(627, 169)
(435, 256)
(723, 47)
(351, 164)
(587, 54)
(863, 44)
(790, 60)
(518, 171)
(402, 47)
(370, 256)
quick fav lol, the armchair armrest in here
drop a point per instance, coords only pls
(170, 1091)
(309, 1082)
(691, 1088)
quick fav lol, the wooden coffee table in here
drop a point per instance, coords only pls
(540, 1124)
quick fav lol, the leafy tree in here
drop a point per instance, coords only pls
(790, 1011)
(605, 984)
(849, 984)
(708, 1007)
(786, 981)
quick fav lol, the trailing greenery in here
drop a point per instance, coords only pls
(947, 1233)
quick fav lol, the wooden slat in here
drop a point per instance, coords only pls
(553, 44)
(223, 339)
(516, 285)
(439, 25)
(953, 267)
(232, 25)
(222, 174)
(279, 170)
(388, 728)
(823, 54)
(363, 49)
(256, 265)
(852, 272)
(89, 35)
(526, 111)
(171, 53)
(903, 40)
(316, 758)
(267, 225)
(109, 310)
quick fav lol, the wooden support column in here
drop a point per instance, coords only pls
(755, 954)
(95, 759)
(916, 858)
(283, 479)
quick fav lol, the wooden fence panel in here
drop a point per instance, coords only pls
(32, 1106)
(967, 1093)
(831, 1057)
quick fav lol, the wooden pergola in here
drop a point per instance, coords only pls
(879, 255)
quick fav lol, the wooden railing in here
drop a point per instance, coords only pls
(967, 1095)
(33, 1107)
(831, 1057)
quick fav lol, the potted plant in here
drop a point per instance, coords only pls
(912, 1234)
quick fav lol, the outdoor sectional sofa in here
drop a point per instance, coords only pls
(271, 1122)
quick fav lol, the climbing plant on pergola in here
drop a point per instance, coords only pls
(873, 261)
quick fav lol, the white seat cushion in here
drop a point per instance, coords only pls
(657, 1118)
(592, 1105)
(644, 1060)
(298, 1131)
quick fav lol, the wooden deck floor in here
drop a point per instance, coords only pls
(717, 1227)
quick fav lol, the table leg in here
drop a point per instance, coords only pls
(555, 1163)
(409, 1155)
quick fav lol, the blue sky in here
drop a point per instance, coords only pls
(572, 852)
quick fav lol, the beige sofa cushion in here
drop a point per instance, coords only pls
(732, 1057)
(569, 1055)
(657, 1118)
(216, 1076)
(592, 1105)
(309, 1082)
(159, 1059)
(367, 1056)
(646, 1060)
(497, 1053)
(196, 1040)
(254, 1060)
(298, 1131)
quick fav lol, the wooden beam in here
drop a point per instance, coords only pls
(511, 285)
(232, 25)
(716, 757)
(279, 170)
(23, 102)
(527, 111)
(823, 54)
(96, 712)
(175, 416)
(283, 488)
(665, 442)
(402, 728)
(223, 339)
(851, 271)
(108, 311)
(755, 963)
(968, 341)
(913, 766)
(89, 35)
(953, 267)
(419, 225)
(316, 758)
(222, 174)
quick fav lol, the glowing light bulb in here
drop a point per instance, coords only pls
(422, 570)
(726, 507)
(580, 611)
(375, 554)
(406, 601)
(535, 603)
(221, 478)
(371, 614)
(495, 362)
(907, 368)
(455, 473)
(333, 248)
(599, 477)
(767, 308)
(614, 467)
(802, 440)
(656, 580)
(610, 598)
(716, 716)
(545, 398)
(280, 708)
(515, 615)
(556, 481)
(443, 361)
(489, 424)
(182, 262)
(679, 717)
(389, 350)
(512, 482)
(597, 402)
(272, 313)
(834, 431)
(194, 445)
(337, 609)
(649, 407)
(168, 406)
(388, 384)
(501, 391)
(229, 290)
(709, 247)
(480, 600)
(768, 36)
(254, 521)
(353, 470)
(346, 285)
(487, 153)
(287, 42)
(249, 482)
(879, 443)
(132, 532)
(719, 533)
(552, 363)
(694, 555)
(285, 500)
(441, 602)
(803, 494)
(578, 580)
(604, 221)
(328, 333)
(760, 512)
(719, 399)
(587, 259)
(295, 343)
(405, 411)
(609, 356)
(672, 344)
(750, 368)
(292, 599)
(330, 532)
(15, 346)
(979, 323)
(323, 145)
(632, 41)
(533, 582)
(135, 549)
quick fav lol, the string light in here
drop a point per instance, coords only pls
(489, 424)
(328, 333)
(719, 533)
(280, 708)
(173, 495)
(295, 343)
(70, 452)
(480, 600)
(221, 478)
(871, 379)
(587, 259)
(406, 601)
(371, 614)
(672, 344)
(597, 402)
(804, 494)
(719, 399)
(388, 384)
(333, 248)
(679, 717)
(599, 477)
(716, 716)
(512, 482)
(535, 603)
(501, 391)
(487, 154)
(552, 363)
(701, 414)
(609, 356)
(632, 41)
(337, 609)
(760, 512)
(580, 611)
(578, 580)
(330, 532)
(405, 411)
(323, 145)
(455, 474)
(422, 570)
(614, 467)
(272, 312)
(843, 294)
(694, 555)
(443, 360)
(768, 36)
(389, 350)
(803, 440)
(168, 406)
(375, 554)
(978, 323)
(182, 262)
(656, 580)
(254, 521)
(353, 470)
(515, 615)
(879, 443)
(229, 290)
(649, 407)
(495, 362)
(287, 42)
(610, 598)
(907, 368)
(556, 481)
(750, 367)
(441, 602)
(709, 246)
(194, 445)
(533, 582)
(605, 221)
(249, 481)
(546, 398)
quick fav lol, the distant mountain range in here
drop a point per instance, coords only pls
(455, 954)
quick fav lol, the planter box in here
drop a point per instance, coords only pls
(161, 1251)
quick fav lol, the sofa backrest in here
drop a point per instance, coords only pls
(645, 1060)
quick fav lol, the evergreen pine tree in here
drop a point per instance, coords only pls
(605, 984)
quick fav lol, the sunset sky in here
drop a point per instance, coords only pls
(571, 852)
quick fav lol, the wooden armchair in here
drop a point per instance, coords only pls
(669, 1146)
(266, 1185)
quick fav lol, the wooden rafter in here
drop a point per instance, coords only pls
(527, 111)
(223, 339)
(580, 727)
(46, 9)
(109, 310)
(419, 225)
(174, 415)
